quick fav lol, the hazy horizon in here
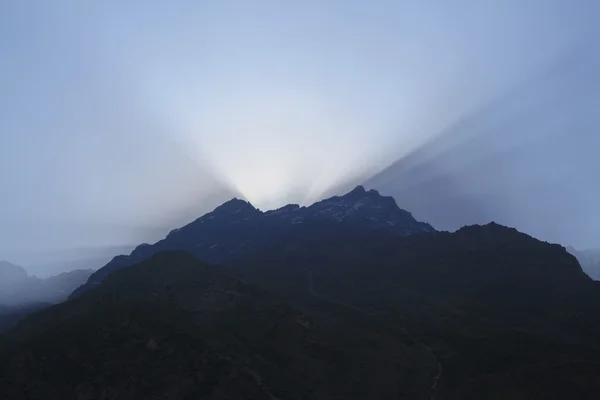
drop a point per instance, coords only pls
(122, 120)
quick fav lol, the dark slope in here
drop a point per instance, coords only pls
(173, 328)
(508, 316)
(236, 228)
(483, 313)
(11, 315)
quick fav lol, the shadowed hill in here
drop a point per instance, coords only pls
(484, 312)
(172, 327)
(507, 316)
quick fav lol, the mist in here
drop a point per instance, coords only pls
(526, 159)
(122, 120)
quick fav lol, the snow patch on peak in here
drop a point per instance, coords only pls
(174, 231)
(284, 210)
(235, 204)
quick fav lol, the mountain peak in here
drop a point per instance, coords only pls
(490, 230)
(10, 272)
(236, 227)
(235, 200)
(360, 192)
(370, 210)
(358, 189)
(235, 203)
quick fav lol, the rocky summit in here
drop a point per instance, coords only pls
(236, 228)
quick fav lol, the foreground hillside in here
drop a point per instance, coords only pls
(173, 328)
(361, 301)
(508, 316)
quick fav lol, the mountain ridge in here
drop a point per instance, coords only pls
(483, 312)
(236, 228)
(10, 273)
(17, 287)
(21, 293)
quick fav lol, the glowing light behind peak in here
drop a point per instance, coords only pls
(118, 115)
(278, 146)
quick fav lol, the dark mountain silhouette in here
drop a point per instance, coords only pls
(172, 327)
(352, 292)
(485, 312)
(11, 315)
(507, 316)
(237, 228)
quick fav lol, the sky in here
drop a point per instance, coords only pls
(120, 120)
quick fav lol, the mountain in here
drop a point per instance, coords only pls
(237, 228)
(18, 288)
(63, 283)
(484, 312)
(49, 263)
(589, 260)
(174, 328)
(506, 315)
(21, 294)
(11, 315)
(10, 274)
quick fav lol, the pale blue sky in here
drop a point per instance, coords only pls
(122, 119)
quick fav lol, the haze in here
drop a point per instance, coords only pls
(122, 120)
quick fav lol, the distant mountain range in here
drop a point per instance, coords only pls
(589, 260)
(11, 274)
(17, 287)
(20, 293)
(49, 263)
(237, 228)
